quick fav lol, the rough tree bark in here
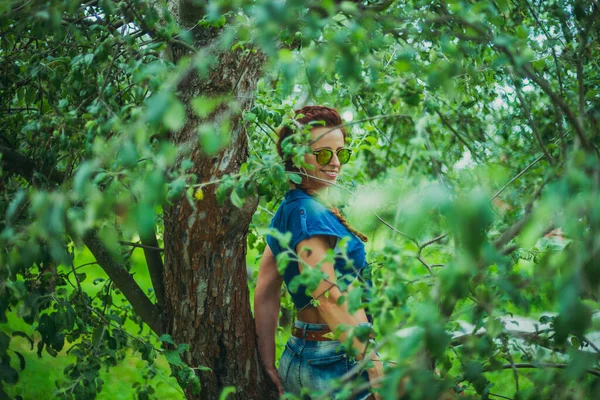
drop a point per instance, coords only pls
(206, 295)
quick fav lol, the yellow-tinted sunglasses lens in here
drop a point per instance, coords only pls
(324, 156)
(344, 155)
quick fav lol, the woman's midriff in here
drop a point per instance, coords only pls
(312, 315)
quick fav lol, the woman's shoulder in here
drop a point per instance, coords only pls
(311, 208)
(301, 208)
(296, 200)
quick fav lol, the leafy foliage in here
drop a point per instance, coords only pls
(475, 126)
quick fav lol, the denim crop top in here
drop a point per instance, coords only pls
(304, 216)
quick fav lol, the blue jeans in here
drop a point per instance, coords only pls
(315, 364)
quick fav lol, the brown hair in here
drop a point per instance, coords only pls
(331, 118)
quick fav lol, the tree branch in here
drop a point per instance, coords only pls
(361, 104)
(434, 162)
(24, 166)
(575, 122)
(515, 229)
(512, 231)
(533, 338)
(432, 241)
(580, 83)
(592, 345)
(488, 37)
(395, 230)
(123, 280)
(540, 365)
(155, 267)
(142, 246)
(516, 177)
(454, 131)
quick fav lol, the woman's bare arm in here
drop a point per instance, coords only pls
(311, 252)
(267, 297)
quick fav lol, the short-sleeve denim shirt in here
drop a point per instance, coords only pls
(304, 216)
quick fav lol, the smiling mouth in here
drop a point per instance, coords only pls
(331, 174)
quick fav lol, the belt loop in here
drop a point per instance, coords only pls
(304, 327)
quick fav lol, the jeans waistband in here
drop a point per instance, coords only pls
(309, 326)
(319, 327)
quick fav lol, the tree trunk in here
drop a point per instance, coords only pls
(207, 298)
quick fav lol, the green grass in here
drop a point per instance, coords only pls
(37, 380)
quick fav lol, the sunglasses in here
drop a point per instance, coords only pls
(324, 156)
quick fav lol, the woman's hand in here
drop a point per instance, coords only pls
(275, 378)
(375, 376)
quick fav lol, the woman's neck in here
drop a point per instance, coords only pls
(313, 192)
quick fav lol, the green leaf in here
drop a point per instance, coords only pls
(166, 338)
(176, 188)
(23, 335)
(250, 117)
(174, 118)
(236, 200)
(97, 336)
(182, 348)
(203, 106)
(226, 392)
(355, 300)
(173, 357)
(128, 154)
(157, 106)
(297, 179)
(82, 177)
(349, 7)
(146, 219)
(14, 205)
(21, 360)
(209, 138)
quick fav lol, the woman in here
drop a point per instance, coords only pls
(311, 358)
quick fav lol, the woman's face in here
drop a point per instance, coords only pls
(326, 174)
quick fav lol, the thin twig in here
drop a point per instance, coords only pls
(394, 229)
(541, 365)
(486, 36)
(359, 100)
(527, 168)
(425, 264)
(515, 371)
(432, 241)
(517, 176)
(141, 246)
(592, 345)
(455, 132)
(500, 396)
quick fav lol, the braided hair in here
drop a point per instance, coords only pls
(331, 118)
